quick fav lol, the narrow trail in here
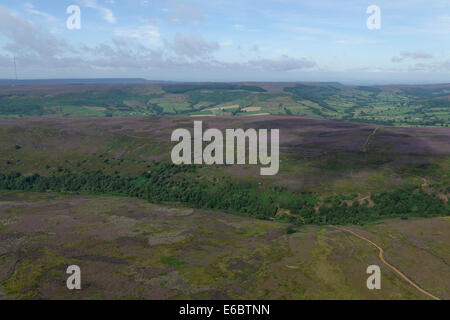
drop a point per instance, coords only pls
(380, 255)
(366, 144)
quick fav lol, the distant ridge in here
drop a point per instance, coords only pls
(143, 81)
(77, 81)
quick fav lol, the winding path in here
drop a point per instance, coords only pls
(366, 144)
(404, 277)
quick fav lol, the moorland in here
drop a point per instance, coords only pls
(87, 179)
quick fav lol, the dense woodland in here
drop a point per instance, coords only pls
(170, 183)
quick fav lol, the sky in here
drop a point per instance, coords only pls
(228, 40)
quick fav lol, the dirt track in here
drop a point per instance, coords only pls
(404, 277)
(366, 144)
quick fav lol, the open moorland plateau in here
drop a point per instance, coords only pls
(132, 249)
(86, 178)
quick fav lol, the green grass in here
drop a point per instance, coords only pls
(174, 262)
(384, 105)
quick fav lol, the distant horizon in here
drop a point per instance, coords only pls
(136, 80)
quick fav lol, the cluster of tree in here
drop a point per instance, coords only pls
(24, 106)
(317, 94)
(155, 108)
(373, 90)
(171, 183)
(406, 201)
(215, 97)
(434, 103)
(425, 92)
(37, 105)
(183, 88)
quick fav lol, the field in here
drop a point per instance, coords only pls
(426, 105)
(131, 249)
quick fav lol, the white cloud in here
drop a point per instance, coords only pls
(28, 39)
(107, 14)
(193, 45)
(404, 55)
(437, 67)
(31, 9)
(148, 34)
(143, 51)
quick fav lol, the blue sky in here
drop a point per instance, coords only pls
(218, 40)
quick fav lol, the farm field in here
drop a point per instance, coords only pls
(425, 105)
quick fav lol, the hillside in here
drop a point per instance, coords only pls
(131, 249)
(389, 105)
(331, 172)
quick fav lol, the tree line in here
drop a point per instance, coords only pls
(171, 183)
